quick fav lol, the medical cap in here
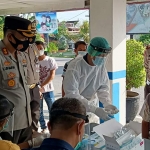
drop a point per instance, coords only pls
(7, 145)
(99, 42)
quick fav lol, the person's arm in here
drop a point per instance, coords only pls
(146, 63)
(146, 119)
(24, 145)
(35, 142)
(63, 74)
(62, 89)
(71, 89)
(145, 129)
(103, 94)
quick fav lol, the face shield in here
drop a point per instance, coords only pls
(99, 54)
(8, 119)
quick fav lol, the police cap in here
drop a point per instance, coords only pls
(23, 26)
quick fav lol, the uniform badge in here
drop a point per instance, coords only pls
(5, 52)
(7, 63)
(11, 75)
(11, 83)
(24, 61)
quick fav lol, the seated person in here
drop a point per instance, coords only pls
(146, 118)
(6, 113)
(66, 125)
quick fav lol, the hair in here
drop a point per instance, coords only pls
(65, 121)
(49, 18)
(79, 43)
(40, 43)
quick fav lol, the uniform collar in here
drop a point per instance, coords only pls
(56, 142)
(6, 52)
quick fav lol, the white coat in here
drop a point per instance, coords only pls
(83, 82)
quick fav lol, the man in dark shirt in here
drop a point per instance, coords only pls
(66, 125)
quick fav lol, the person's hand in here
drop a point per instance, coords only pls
(101, 113)
(37, 141)
(41, 95)
(41, 89)
(111, 109)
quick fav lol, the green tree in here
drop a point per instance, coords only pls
(135, 69)
(84, 31)
(39, 38)
(1, 26)
(145, 39)
(62, 31)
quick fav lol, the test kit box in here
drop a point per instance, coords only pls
(107, 130)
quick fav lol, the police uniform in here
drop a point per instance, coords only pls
(32, 82)
(13, 83)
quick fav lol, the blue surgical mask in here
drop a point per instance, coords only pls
(78, 146)
(98, 61)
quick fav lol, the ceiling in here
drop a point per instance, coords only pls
(136, 1)
(26, 6)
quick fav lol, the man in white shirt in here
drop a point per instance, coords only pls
(48, 67)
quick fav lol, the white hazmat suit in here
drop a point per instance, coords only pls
(83, 82)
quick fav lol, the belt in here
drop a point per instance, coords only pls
(32, 86)
(148, 82)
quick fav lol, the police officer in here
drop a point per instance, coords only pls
(32, 81)
(13, 76)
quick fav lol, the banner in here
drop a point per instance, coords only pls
(46, 22)
(138, 18)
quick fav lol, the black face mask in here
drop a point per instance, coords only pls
(32, 40)
(18, 42)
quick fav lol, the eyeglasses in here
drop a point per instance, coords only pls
(102, 50)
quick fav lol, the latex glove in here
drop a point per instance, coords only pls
(100, 112)
(111, 109)
(36, 142)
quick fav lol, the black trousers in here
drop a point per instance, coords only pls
(19, 136)
(35, 107)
